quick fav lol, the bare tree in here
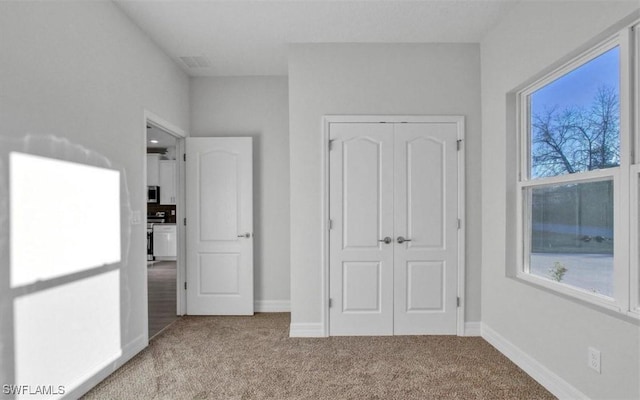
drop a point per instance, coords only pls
(576, 139)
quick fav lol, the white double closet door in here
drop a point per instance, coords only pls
(397, 181)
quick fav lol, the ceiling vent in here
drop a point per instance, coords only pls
(196, 61)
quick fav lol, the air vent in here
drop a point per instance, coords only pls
(196, 61)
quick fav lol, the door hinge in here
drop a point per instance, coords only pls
(184, 221)
(185, 286)
(330, 224)
(184, 157)
(331, 144)
(458, 301)
(330, 303)
(459, 223)
(459, 144)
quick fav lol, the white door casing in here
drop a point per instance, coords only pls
(219, 213)
(394, 179)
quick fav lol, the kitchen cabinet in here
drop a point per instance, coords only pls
(165, 243)
(167, 175)
(153, 171)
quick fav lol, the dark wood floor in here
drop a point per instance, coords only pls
(161, 277)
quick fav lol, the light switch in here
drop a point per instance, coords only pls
(136, 218)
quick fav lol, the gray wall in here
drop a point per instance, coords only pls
(82, 72)
(552, 329)
(256, 107)
(426, 79)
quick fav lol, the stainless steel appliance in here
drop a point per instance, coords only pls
(153, 194)
(150, 221)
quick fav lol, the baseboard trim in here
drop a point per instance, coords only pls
(472, 328)
(128, 352)
(272, 306)
(552, 382)
(306, 330)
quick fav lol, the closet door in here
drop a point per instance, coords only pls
(425, 246)
(361, 209)
(399, 182)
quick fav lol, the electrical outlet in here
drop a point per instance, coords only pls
(594, 359)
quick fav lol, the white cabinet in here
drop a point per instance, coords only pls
(167, 175)
(153, 172)
(165, 243)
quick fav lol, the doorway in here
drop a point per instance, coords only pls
(395, 238)
(164, 188)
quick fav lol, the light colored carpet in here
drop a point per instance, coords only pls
(253, 358)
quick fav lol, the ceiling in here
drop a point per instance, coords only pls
(236, 38)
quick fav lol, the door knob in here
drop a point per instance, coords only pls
(386, 240)
(402, 240)
(245, 235)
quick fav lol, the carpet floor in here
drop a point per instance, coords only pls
(253, 358)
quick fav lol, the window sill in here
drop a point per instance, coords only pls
(574, 293)
(635, 314)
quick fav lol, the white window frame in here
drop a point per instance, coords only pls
(634, 273)
(626, 295)
(634, 179)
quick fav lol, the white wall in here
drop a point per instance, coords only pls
(553, 330)
(256, 107)
(79, 75)
(425, 79)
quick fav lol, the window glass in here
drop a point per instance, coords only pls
(574, 120)
(571, 228)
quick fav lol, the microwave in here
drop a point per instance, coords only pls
(153, 194)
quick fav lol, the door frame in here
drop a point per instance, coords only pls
(180, 135)
(327, 120)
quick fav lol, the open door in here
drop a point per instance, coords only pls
(219, 198)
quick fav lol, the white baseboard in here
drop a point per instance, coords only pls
(306, 330)
(552, 382)
(472, 328)
(128, 352)
(272, 306)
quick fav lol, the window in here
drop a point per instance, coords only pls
(577, 194)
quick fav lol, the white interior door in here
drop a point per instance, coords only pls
(426, 216)
(396, 180)
(361, 209)
(219, 212)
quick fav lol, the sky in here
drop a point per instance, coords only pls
(579, 87)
